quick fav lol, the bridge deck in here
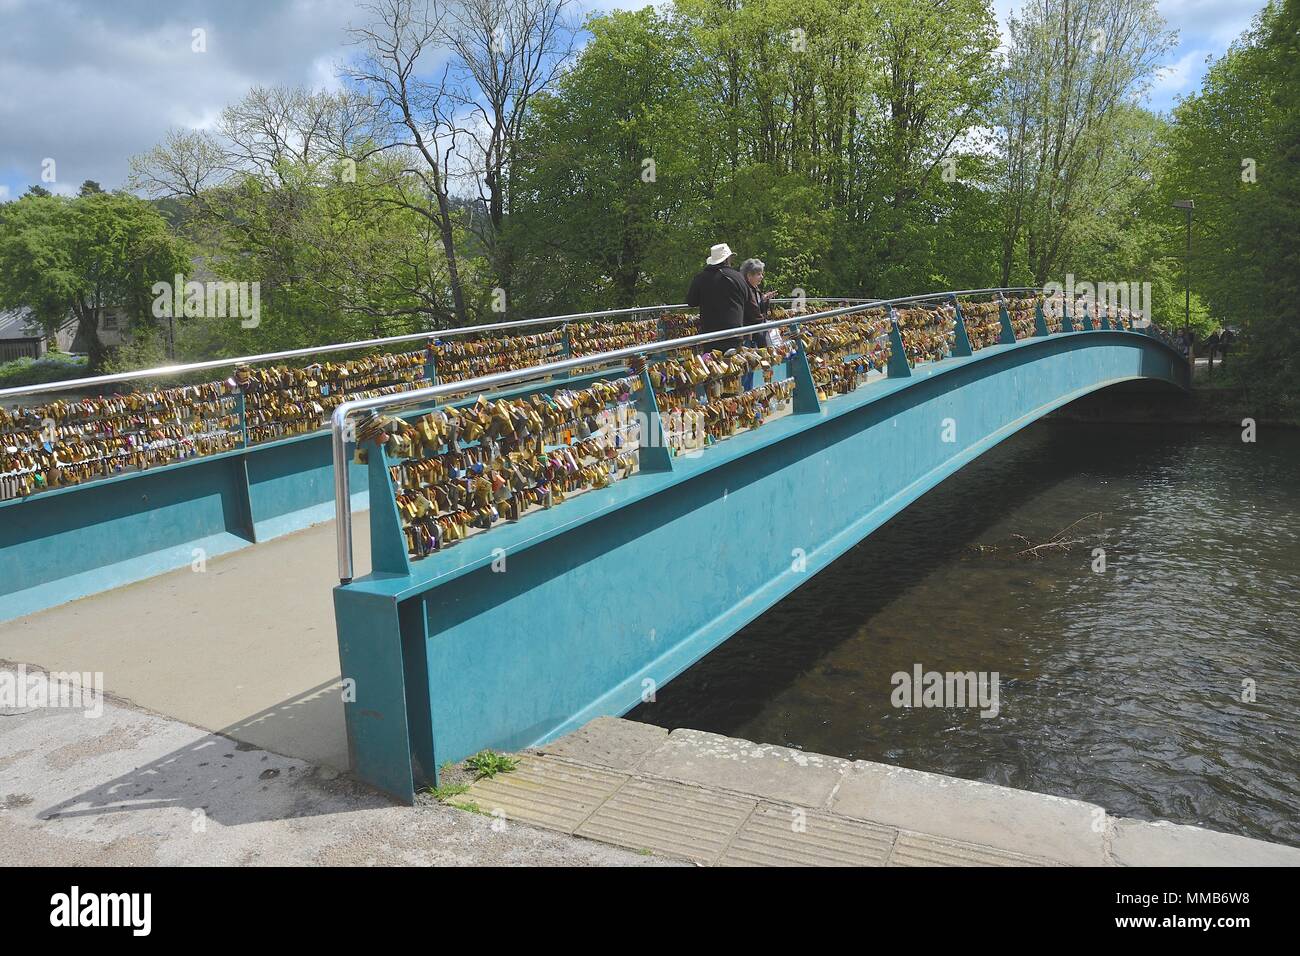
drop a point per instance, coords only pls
(246, 648)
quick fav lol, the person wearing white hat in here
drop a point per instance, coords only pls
(720, 293)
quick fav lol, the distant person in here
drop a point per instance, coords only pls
(1225, 343)
(756, 307)
(720, 293)
(1212, 346)
(757, 301)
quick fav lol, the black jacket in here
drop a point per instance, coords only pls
(720, 293)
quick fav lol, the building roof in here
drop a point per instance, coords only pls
(14, 324)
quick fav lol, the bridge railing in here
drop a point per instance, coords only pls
(804, 380)
(80, 436)
(90, 438)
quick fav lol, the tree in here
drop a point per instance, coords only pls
(68, 260)
(415, 116)
(1072, 68)
(290, 191)
(609, 183)
(1235, 151)
(509, 53)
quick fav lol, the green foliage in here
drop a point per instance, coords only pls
(444, 793)
(859, 149)
(1245, 261)
(810, 135)
(51, 368)
(69, 260)
(489, 763)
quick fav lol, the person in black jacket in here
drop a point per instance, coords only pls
(720, 293)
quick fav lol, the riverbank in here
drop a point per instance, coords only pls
(132, 788)
(1208, 403)
(721, 801)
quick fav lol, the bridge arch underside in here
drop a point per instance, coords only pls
(614, 598)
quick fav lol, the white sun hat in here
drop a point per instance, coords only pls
(719, 253)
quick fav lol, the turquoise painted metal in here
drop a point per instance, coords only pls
(71, 542)
(66, 543)
(513, 638)
(1040, 322)
(961, 340)
(1007, 335)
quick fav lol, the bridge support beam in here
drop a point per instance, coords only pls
(961, 340)
(1008, 336)
(898, 366)
(806, 401)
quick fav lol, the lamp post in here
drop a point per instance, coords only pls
(1187, 205)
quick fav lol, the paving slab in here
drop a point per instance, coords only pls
(1138, 843)
(662, 816)
(1034, 824)
(132, 788)
(919, 849)
(780, 774)
(548, 793)
(608, 742)
(792, 836)
(246, 647)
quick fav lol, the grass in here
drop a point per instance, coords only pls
(489, 763)
(446, 791)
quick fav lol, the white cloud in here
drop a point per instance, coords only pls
(1219, 21)
(1179, 76)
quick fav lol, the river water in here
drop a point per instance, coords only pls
(1130, 687)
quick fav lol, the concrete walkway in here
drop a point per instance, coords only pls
(246, 647)
(720, 801)
(130, 788)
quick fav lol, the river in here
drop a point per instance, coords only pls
(1166, 686)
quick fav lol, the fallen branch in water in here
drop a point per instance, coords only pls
(1023, 547)
(1057, 540)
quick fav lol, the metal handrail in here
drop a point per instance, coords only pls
(167, 371)
(485, 383)
(170, 370)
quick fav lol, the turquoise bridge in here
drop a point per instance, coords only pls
(512, 638)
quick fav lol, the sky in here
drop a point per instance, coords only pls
(87, 84)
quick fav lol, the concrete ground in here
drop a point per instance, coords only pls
(124, 787)
(246, 648)
(131, 788)
(720, 801)
(246, 765)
